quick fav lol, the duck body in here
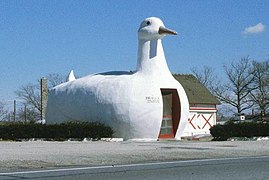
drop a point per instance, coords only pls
(115, 100)
(131, 103)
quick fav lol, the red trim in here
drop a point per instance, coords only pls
(164, 136)
(167, 116)
(190, 121)
(207, 121)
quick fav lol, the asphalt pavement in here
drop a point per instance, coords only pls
(209, 169)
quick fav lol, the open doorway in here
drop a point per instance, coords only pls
(171, 113)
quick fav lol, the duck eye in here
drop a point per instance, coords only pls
(148, 23)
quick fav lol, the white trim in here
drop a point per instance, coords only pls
(203, 110)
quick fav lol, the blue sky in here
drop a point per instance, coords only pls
(42, 37)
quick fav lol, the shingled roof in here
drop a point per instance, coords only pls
(197, 93)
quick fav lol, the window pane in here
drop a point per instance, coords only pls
(167, 108)
(163, 131)
(169, 130)
(169, 123)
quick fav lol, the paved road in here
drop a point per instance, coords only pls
(226, 168)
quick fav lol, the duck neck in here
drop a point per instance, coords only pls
(151, 58)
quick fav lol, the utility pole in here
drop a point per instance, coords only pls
(25, 113)
(14, 111)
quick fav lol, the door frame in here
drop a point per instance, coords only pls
(176, 110)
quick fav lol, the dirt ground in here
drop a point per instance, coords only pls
(44, 154)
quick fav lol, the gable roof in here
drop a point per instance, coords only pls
(196, 92)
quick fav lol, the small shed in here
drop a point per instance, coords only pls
(203, 106)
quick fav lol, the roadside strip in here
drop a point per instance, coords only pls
(140, 165)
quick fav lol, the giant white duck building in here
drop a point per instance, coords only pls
(147, 103)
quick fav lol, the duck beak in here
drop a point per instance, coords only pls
(163, 30)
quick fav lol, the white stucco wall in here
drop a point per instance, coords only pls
(131, 103)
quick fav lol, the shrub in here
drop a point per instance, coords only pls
(245, 129)
(63, 131)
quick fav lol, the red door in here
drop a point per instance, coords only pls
(171, 113)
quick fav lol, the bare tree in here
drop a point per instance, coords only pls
(3, 111)
(30, 94)
(206, 76)
(27, 114)
(238, 88)
(55, 79)
(260, 93)
(248, 84)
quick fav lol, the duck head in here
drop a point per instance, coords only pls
(152, 28)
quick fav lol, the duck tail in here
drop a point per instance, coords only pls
(71, 76)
